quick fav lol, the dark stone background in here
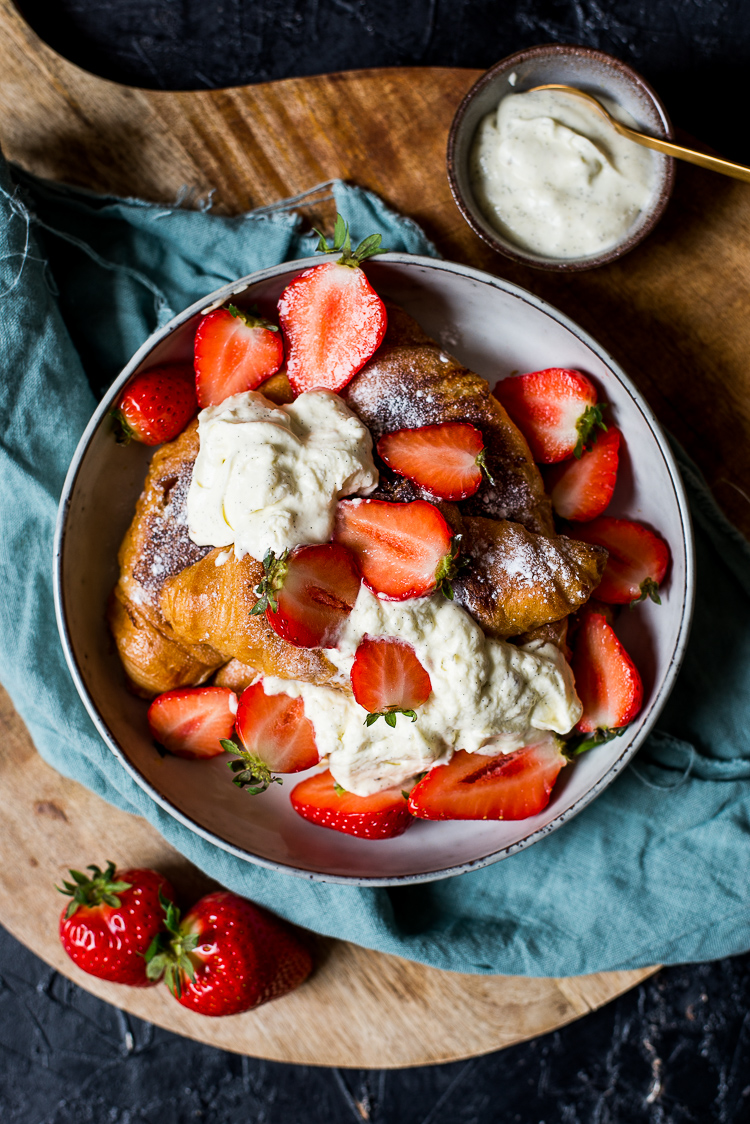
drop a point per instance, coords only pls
(674, 1050)
(695, 52)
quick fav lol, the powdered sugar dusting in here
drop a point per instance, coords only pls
(168, 550)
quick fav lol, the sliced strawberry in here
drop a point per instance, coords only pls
(333, 320)
(556, 411)
(402, 549)
(388, 679)
(192, 721)
(512, 786)
(446, 460)
(308, 594)
(638, 559)
(276, 737)
(156, 405)
(381, 816)
(581, 489)
(234, 351)
(607, 680)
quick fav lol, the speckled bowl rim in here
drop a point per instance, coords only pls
(645, 720)
(564, 265)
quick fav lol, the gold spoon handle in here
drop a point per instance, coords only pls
(713, 163)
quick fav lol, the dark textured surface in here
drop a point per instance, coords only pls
(694, 51)
(673, 1051)
(676, 1049)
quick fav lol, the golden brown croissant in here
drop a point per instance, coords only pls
(153, 658)
(517, 581)
(213, 604)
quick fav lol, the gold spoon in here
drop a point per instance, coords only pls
(713, 163)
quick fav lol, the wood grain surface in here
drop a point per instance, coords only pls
(673, 313)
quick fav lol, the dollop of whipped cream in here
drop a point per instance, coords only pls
(268, 477)
(488, 696)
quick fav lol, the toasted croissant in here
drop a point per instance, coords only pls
(210, 603)
(153, 658)
(517, 580)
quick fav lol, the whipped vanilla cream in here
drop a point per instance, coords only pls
(487, 695)
(268, 477)
(553, 176)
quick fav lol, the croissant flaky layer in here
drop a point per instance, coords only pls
(178, 617)
(210, 603)
(517, 581)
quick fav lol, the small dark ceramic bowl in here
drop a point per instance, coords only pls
(592, 71)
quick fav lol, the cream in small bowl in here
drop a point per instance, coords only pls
(552, 175)
(541, 176)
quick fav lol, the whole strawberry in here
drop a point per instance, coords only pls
(227, 955)
(112, 921)
(156, 405)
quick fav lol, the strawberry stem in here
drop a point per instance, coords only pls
(367, 248)
(250, 771)
(589, 421)
(649, 588)
(168, 955)
(581, 743)
(448, 567)
(275, 572)
(482, 463)
(389, 714)
(100, 888)
(123, 431)
(252, 319)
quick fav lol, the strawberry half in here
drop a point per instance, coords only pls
(192, 721)
(512, 786)
(445, 460)
(333, 320)
(607, 680)
(308, 594)
(581, 489)
(402, 549)
(388, 679)
(556, 411)
(276, 738)
(381, 816)
(234, 351)
(638, 559)
(156, 406)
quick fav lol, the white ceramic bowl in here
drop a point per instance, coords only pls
(495, 328)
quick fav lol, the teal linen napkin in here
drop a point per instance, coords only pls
(656, 869)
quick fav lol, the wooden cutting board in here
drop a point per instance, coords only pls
(673, 313)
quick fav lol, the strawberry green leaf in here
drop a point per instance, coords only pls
(390, 714)
(101, 887)
(274, 575)
(589, 421)
(250, 771)
(252, 319)
(581, 743)
(482, 462)
(367, 248)
(448, 568)
(649, 589)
